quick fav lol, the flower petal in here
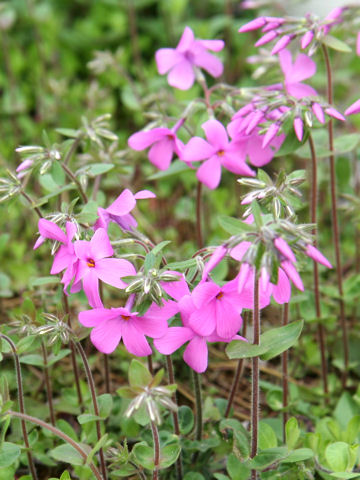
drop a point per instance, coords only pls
(100, 245)
(50, 230)
(107, 335)
(209, 63)
(92, 318)
(210, 172)
(110, 271)
(143, 140)
(203, 320)
(228, 320)
(182, 75)
(173, 339)
(197, 149)
(215, 133)
(161, 153)
(134, 340)
(196, 354)
(282, 290)
(166, 59)
(124, 203)
(91, 288)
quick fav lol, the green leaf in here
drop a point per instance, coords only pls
(290, 144)
(144, 455)
(126, 470)
(150, 262)
(344, 475)
(234, 226)
(105, 404)
(277, 340)
(87, 417)
(139, 375)
(299, 455)
(267, 457)
(96, 169)
(175, 168)
(194, 476)
(352, 430)
(267, 436)
(186, 419)
(66, 453)
(256, 211)
(33, 359)
(179, 266)
(241, 435)
(37, 282)
(338, 456)
(99, 444)
(157, 249)
(65, 427)
(335, 44)
(68, 132)
(345, 409)
(88, 213)
(169, 454)
(9, 453)
(236, 469)
(292, 432)
(219, 476)
(55, 358)
(346, 143)
(241, 349)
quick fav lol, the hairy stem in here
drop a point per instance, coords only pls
(156, 441)
(285, 374)
(21, 405)
(335, 225)
(48, 384)
(72, 149)
(255, 377)
(91, 382)
(72, 177)
(59, 434)
(199, 233)
(320, 327)
(105, 356)
(31, 202)
(238, 373)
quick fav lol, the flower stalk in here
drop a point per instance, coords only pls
(255, 377)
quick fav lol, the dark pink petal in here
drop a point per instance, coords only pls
(134, 340)
(50, 230)
(197, 149)
(62, 259)
(204, 293)
(334, 113)
(167, 311)
(210, 172)
(176, 289)
(173, 339)
(39, 242)
(306, 39)
(144, 194)
(82, 249)
(213, 45)
(228, 320)
(293, 274)
(353, 109)
(299, 128)
(182, 76)
(91, 288)
(107, 335)
(166, 59)
(256, 118)
(110, 271)
(103, 220)
(258, 155)
(282, 290)
(100, 245)
(270, 134)
(92, 318)
(234, 164)
(187, 307)
(196, 354)
(318, 112)
(253, 25)
(124, 203)
(215, 134)
(282, 43)
(239, 251)
(203, 320)
(316, 255)
(215, 259)
(152, 327)
(268, 37)
(209, 63)
(186, 40)
(143, 140)
(284, 249)
(161, 153)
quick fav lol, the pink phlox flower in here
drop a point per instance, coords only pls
(95, 264)
(303, 67)
(217, 151)
(332, 19)
(112, 325)
(316, 255)
(353, 109)
(176, 289)
(179, 63)
(218, 254)
(196, 352)
(163, 142)
(119, 211)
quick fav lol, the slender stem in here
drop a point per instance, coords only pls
(73, 355)
(238, 373)
(105, 355)
(285, 375)
(150, 364)
(72, 149)
(70, 174)
(255, 377)
(59, 434)
(170, 369)
(335, 225)
(320, 327)
(31, 202)
(91, 382)
(198, 404)
(48, 384)
(156, 441)
(21, 404)
(199, 234)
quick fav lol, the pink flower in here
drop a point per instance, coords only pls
(94, 265)
(215, 259)
(218, 152)
(303, 67)
(299, 128)
(284, 249)
(316, 255)
(196, 352)
(112, 325)
(119, 210)
(353, 109)
(163, 141)
(179, 63)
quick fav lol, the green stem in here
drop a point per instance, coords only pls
(59, 434)
(31, 202)
(72, 177)
(199, 234)
(198, 404)
(285, 377)
(255, 377)
(156, 441)
(21, 405)
(48, 384)
(335, 225)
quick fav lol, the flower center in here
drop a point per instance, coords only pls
(90, 262)
(221, 153)
(219, 295)
(125, 317)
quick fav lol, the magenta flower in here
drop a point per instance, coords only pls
(94, 265)
(119, 211)
(218, 151)
(163, 141)
(353, 109)
(196, 352)
(303, 67)
(180, 62)
(112, 325)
